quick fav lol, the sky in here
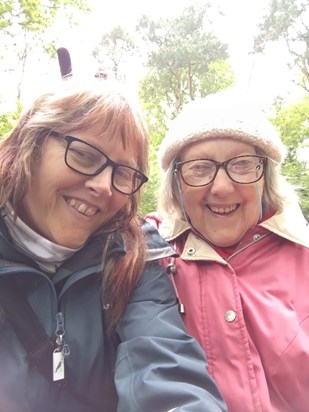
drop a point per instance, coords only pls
(264, 77)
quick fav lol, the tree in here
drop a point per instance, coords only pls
(33, 15)
(156, 122)
(293, 125)
(180, 58)
(114, 51)
(288, 20)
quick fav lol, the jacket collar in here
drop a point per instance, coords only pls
(171, 228)
(194, 248)
(289, 224)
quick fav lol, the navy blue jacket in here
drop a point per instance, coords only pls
(153, 364)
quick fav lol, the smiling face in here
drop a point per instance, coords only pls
(222, 211)
(65, 206)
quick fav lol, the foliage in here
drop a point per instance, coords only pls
(25, 31)
(114, 50)
(293, 124)
(8, 120)
(180, 57)
(33, 15)
(5, 9)
(288, 20)
(157, 129)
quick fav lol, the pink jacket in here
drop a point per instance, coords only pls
(250, 312)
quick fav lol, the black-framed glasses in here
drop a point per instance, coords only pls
(241, 169)
(87, 160)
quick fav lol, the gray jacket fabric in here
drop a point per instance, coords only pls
(151, 362)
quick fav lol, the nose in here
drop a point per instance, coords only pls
(222, 185)
(101, 183)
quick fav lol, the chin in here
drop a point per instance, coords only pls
(229, 243)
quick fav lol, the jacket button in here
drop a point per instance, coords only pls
(230, 316)
(171, 268)
(256, 237)
(191, 251)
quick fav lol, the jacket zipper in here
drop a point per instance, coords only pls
(61, 351)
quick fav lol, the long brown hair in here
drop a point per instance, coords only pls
(79, 106)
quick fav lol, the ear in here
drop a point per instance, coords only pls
(64, 60)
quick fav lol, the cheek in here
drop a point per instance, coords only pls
(120, 201)
(253, 194)
(50, 170)
(192, 198)
(252, 200)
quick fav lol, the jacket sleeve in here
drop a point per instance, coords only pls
(159, 367)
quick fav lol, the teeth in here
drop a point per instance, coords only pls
(72, 202)
(222, 210)
(81, 207)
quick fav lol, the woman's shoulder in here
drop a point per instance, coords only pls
(154, 218)
(157, 247)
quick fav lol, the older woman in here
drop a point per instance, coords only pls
(242, 276)
(78, 284)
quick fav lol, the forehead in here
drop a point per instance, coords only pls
(216, 147)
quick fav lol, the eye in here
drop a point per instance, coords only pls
(243, 165)
(198, 168)
(124, 173)
(83, 155)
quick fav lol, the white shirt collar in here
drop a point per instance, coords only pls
(48, 255)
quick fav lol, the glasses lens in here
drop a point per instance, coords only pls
(127, 180)
(84, 158)
(246, 169)
(89, 161)
(198, 172)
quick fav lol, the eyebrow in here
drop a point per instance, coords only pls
(204, 156)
